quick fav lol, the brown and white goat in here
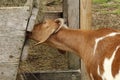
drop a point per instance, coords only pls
(99, 49)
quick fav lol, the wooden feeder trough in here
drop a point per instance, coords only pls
(54, 75)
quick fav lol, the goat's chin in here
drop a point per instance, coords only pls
(39, 43)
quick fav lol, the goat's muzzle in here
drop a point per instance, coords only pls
(28, 34)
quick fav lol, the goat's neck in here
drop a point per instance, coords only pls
(69, 40)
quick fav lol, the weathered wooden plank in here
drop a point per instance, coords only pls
(30, 26)
(10, 48)
(32, 19)
(13, 18)
(13, 22)
(65, 11)
(54, 75)
(8, 71)
(25, 51)
(85, 23)
(71, 12)
(12, 33)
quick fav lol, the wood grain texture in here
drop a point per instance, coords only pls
(32, 19)
(13, 22)
(85, 23)
(85, 14)
(71, 15)
(8, 71)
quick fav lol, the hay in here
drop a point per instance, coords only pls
(11, 3)
(44, 57)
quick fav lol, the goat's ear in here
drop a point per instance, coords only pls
(60, 22)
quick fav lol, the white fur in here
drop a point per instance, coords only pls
(91, 76)
(101, 38)
(61, 20)
(107, 65)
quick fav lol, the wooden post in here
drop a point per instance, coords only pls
(85, 14)
(71, 15)
(85, 23)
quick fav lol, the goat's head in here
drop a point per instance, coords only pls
(42, 31)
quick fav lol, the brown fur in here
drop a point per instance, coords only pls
(82, 42)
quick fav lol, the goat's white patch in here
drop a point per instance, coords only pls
(65, 26)
(107, 65)
(98, 70)
(101, 38)
(91, 76)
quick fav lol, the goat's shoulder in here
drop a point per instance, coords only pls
(107, 30)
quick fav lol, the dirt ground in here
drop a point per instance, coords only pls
(106, 15)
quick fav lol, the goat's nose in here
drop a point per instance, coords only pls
(28, 34)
